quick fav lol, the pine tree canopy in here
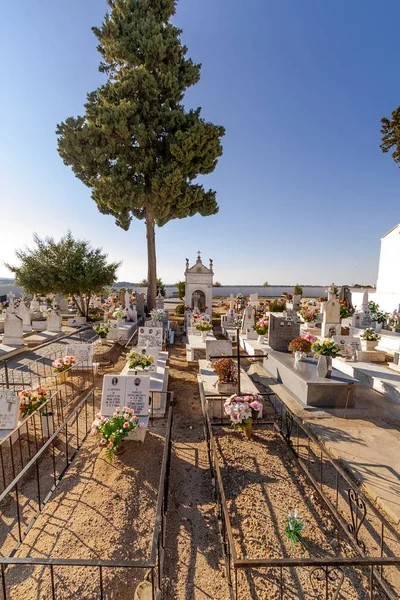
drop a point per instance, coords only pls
(390, 131)
(137, 147)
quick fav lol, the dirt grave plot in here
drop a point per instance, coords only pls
(263, 483)
(99, 511)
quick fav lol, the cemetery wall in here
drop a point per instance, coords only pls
(6, 289)
(309, 291)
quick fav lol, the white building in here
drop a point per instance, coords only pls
(388, 284)
(199, 285)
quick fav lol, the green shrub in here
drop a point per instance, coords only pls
(277, 305)
(180, 309)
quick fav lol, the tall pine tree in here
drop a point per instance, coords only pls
(136, 146)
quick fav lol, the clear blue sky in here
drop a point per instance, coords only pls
(304, 191)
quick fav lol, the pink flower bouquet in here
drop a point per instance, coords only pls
(242, 410)
(63, 364)
(111, 431)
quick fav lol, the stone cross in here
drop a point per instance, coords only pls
(331, 292)
(187, 264)
(198, 256)
(231, 303)
(11, 296)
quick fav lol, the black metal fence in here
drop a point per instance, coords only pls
(24, 498)
(373, 539)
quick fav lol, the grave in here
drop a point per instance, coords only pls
(61, 302)
(83, 354)
(151, 337)
(24, 313)
(331, 324)
(248, 322)
(350, 344)
(362, 319)
(218, 348)
(296, 301)
(13, 330)
(9, 407)
(34, 305)
(54, 322)
(281, 332)
(140, 300)
(160, 301)
(158, 383)
(304, 384)
(76, 321)
(196, 346)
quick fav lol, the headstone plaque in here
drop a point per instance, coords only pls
(218, 348)
(137, 394)
(281, 332)
(9, 406)
(114, 393)
(349, 344)
(82, 352)
(147, 350)
(150, 336)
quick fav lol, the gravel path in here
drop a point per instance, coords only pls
(194, 567)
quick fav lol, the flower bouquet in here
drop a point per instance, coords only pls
(119, 314)
(62, 366)
(300, 347)
(295, 525)
(157, 315)
(29, 401)
(325, 351)
(261, 328)
(111, 431)
(136, 360)
(204, 327)
(242, 410)
(309, 314)
(226, 370)
(102, 330)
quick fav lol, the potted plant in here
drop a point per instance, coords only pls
(137, 361)
(111, 431)
(242, 410)
(325, 351)
(295, 525)
(300, 348)
(297, 294)
(157, 315)
(261, 328)
(226, 370)
(119, 314)
(204, 327)
(380, 318)
(309, 315)
(369, 339)
(62, 367)
(344, 310)
(102, 330)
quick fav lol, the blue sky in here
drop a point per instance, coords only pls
(305, 193)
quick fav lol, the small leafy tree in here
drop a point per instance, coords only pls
(298, 290)
(265, 284)
(217, 284)
(160, 285)
(137, 147)
(390, 131)
(69, 267)
(181, 287)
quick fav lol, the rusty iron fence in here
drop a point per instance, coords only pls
(373, 539)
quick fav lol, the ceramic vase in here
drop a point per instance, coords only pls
(63, 376)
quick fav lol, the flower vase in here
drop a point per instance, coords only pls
(378, 327)
(248, 429)
(120, 449)
(204, 335)
(47, 424)
(369, 345)
(260, 339)
(299, 357)
(310, 324)
(63, 376)
(324, 366)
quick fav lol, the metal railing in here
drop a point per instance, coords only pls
(54, 458)
(373, 539)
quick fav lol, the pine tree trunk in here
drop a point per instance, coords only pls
(151, 259)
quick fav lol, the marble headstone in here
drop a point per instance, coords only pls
(349, 344)
(114, 393)
(218, 348)
(137, 394)
(151, 337)
(13, 330)
(9, 406)
(281, 332)
(54, 322)
(82, 352)
(25, 314)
